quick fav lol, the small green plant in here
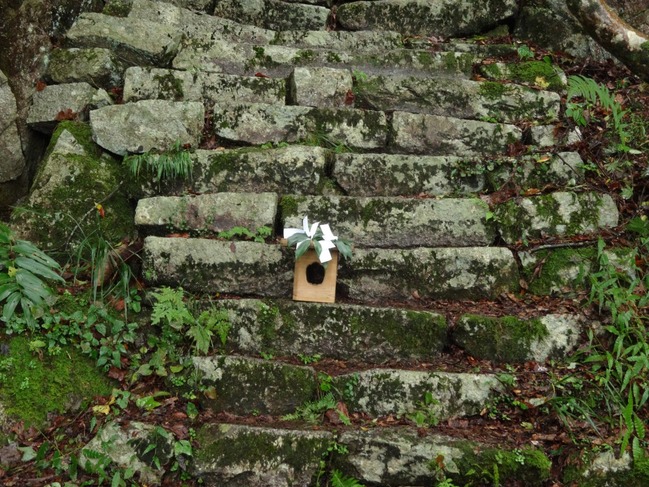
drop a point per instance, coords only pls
(309, 359)
(170, 309)
(426, 414)
(175, 164)
(260, 235)
(340, 480)
(24, 274)
(595, 94)
(524, 52)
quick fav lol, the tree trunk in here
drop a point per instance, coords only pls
(611, 32)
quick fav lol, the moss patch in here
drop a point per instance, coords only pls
(506, 339)
(33, 386)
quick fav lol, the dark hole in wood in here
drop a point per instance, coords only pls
(315, 273)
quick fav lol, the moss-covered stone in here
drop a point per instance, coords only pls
(605, 469)
(60, 214)
(532, 73)
(556, 214)
(339, 331)
(263, 456)
(239, 380)
(33, 385)
(506, 339)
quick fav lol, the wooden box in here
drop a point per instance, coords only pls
(312, 282)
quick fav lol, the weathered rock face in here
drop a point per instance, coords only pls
(281, 458)
(133, 445)
(274, 14)
(97, 66)
(147, 125)
(549, 23)
(12, 161)
(74, 177)
(439, 17)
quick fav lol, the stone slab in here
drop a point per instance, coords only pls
(340, 331)
(214, 266)
(537, 74)
(12, 161)
(197, 26)
(439, 273)
(206, 214)
(320, 87)
(556, 214)
(146, 125)
(247, 385)
(402, 456)
(97, 66)
(262, 457)
(416, 133)
(382, 392)
(257, 123)
(446, 18)
(63, 102)
(396, 222)
(274, 14)
(175, 85)
(510, 339)
(293, 169)
(229, 57)
(139, 42)
(405, 175)
(489, 101)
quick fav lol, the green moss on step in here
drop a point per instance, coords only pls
(32, 386)
(560, 271)
(222, 446)
(493, 90)
(506, 339)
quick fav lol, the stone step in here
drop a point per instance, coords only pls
(200, 29)
(60, 102)
(396, 222)
(417, 133)
(222, 56)
(538, 74)
(559, 214)
(257, 123)
(256, 386)
(402, 456)
(304, 170)
(490, 101)
(406, 175)
(410, 175)
(394, 456)
(274, 14)
(231, 454)
(170, 84)
(410, 133)
(136, 41)
(96, 66)
(292, 169)
(244, 385)
(446, 18)
(206, 214)
(251, 268)
(340, 331)
(382, 392)
(376, 335)
(439, 273)
(147, 125)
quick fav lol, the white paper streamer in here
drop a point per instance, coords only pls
(326, 244)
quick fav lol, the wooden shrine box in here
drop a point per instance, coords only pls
(312, 282)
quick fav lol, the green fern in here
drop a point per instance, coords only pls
(595, 94)
(340, 480)
(176, 164)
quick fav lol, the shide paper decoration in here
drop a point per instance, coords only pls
(321, 237)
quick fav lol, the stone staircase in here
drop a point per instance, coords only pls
(394, 142)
